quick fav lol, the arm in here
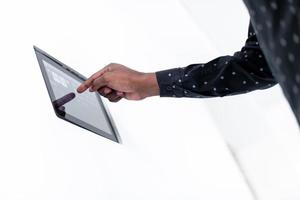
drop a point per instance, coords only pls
(245, 71)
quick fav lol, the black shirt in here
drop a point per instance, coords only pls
(245, 71)
(271, 55)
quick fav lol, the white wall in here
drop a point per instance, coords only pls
(172, 148)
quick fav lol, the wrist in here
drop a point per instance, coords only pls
(148, 85)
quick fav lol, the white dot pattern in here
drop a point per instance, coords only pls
(274, 5)
(226, 75)
(296, 38)
(277, 50)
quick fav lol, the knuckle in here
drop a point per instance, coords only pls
(110, 66)
(113, 66)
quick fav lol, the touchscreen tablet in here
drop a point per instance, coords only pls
(86, 109)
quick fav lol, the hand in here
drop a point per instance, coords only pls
(116, 81)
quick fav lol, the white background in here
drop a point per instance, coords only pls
(172, 148)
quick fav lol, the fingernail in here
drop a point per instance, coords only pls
(91, 89)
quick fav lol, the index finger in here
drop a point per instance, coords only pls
(86, 84)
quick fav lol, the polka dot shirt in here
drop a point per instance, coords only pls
(245, 71)
(271, 55)
(277, 24)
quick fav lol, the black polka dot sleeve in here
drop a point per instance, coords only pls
(245, 71)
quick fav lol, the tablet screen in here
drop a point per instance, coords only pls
(84, 106)
(85, 109)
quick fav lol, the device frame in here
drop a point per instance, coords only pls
(42, 55)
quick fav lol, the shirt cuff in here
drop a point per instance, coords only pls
(170, 82)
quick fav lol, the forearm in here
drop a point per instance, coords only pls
(223, 76)
(245, 71)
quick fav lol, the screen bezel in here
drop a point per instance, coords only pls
(42, 55)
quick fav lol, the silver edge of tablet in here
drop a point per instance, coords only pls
(113, 125)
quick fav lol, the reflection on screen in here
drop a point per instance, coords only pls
(84, 107)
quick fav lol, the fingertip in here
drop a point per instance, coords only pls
(78, 90)
(81, 88)
(85, 85)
